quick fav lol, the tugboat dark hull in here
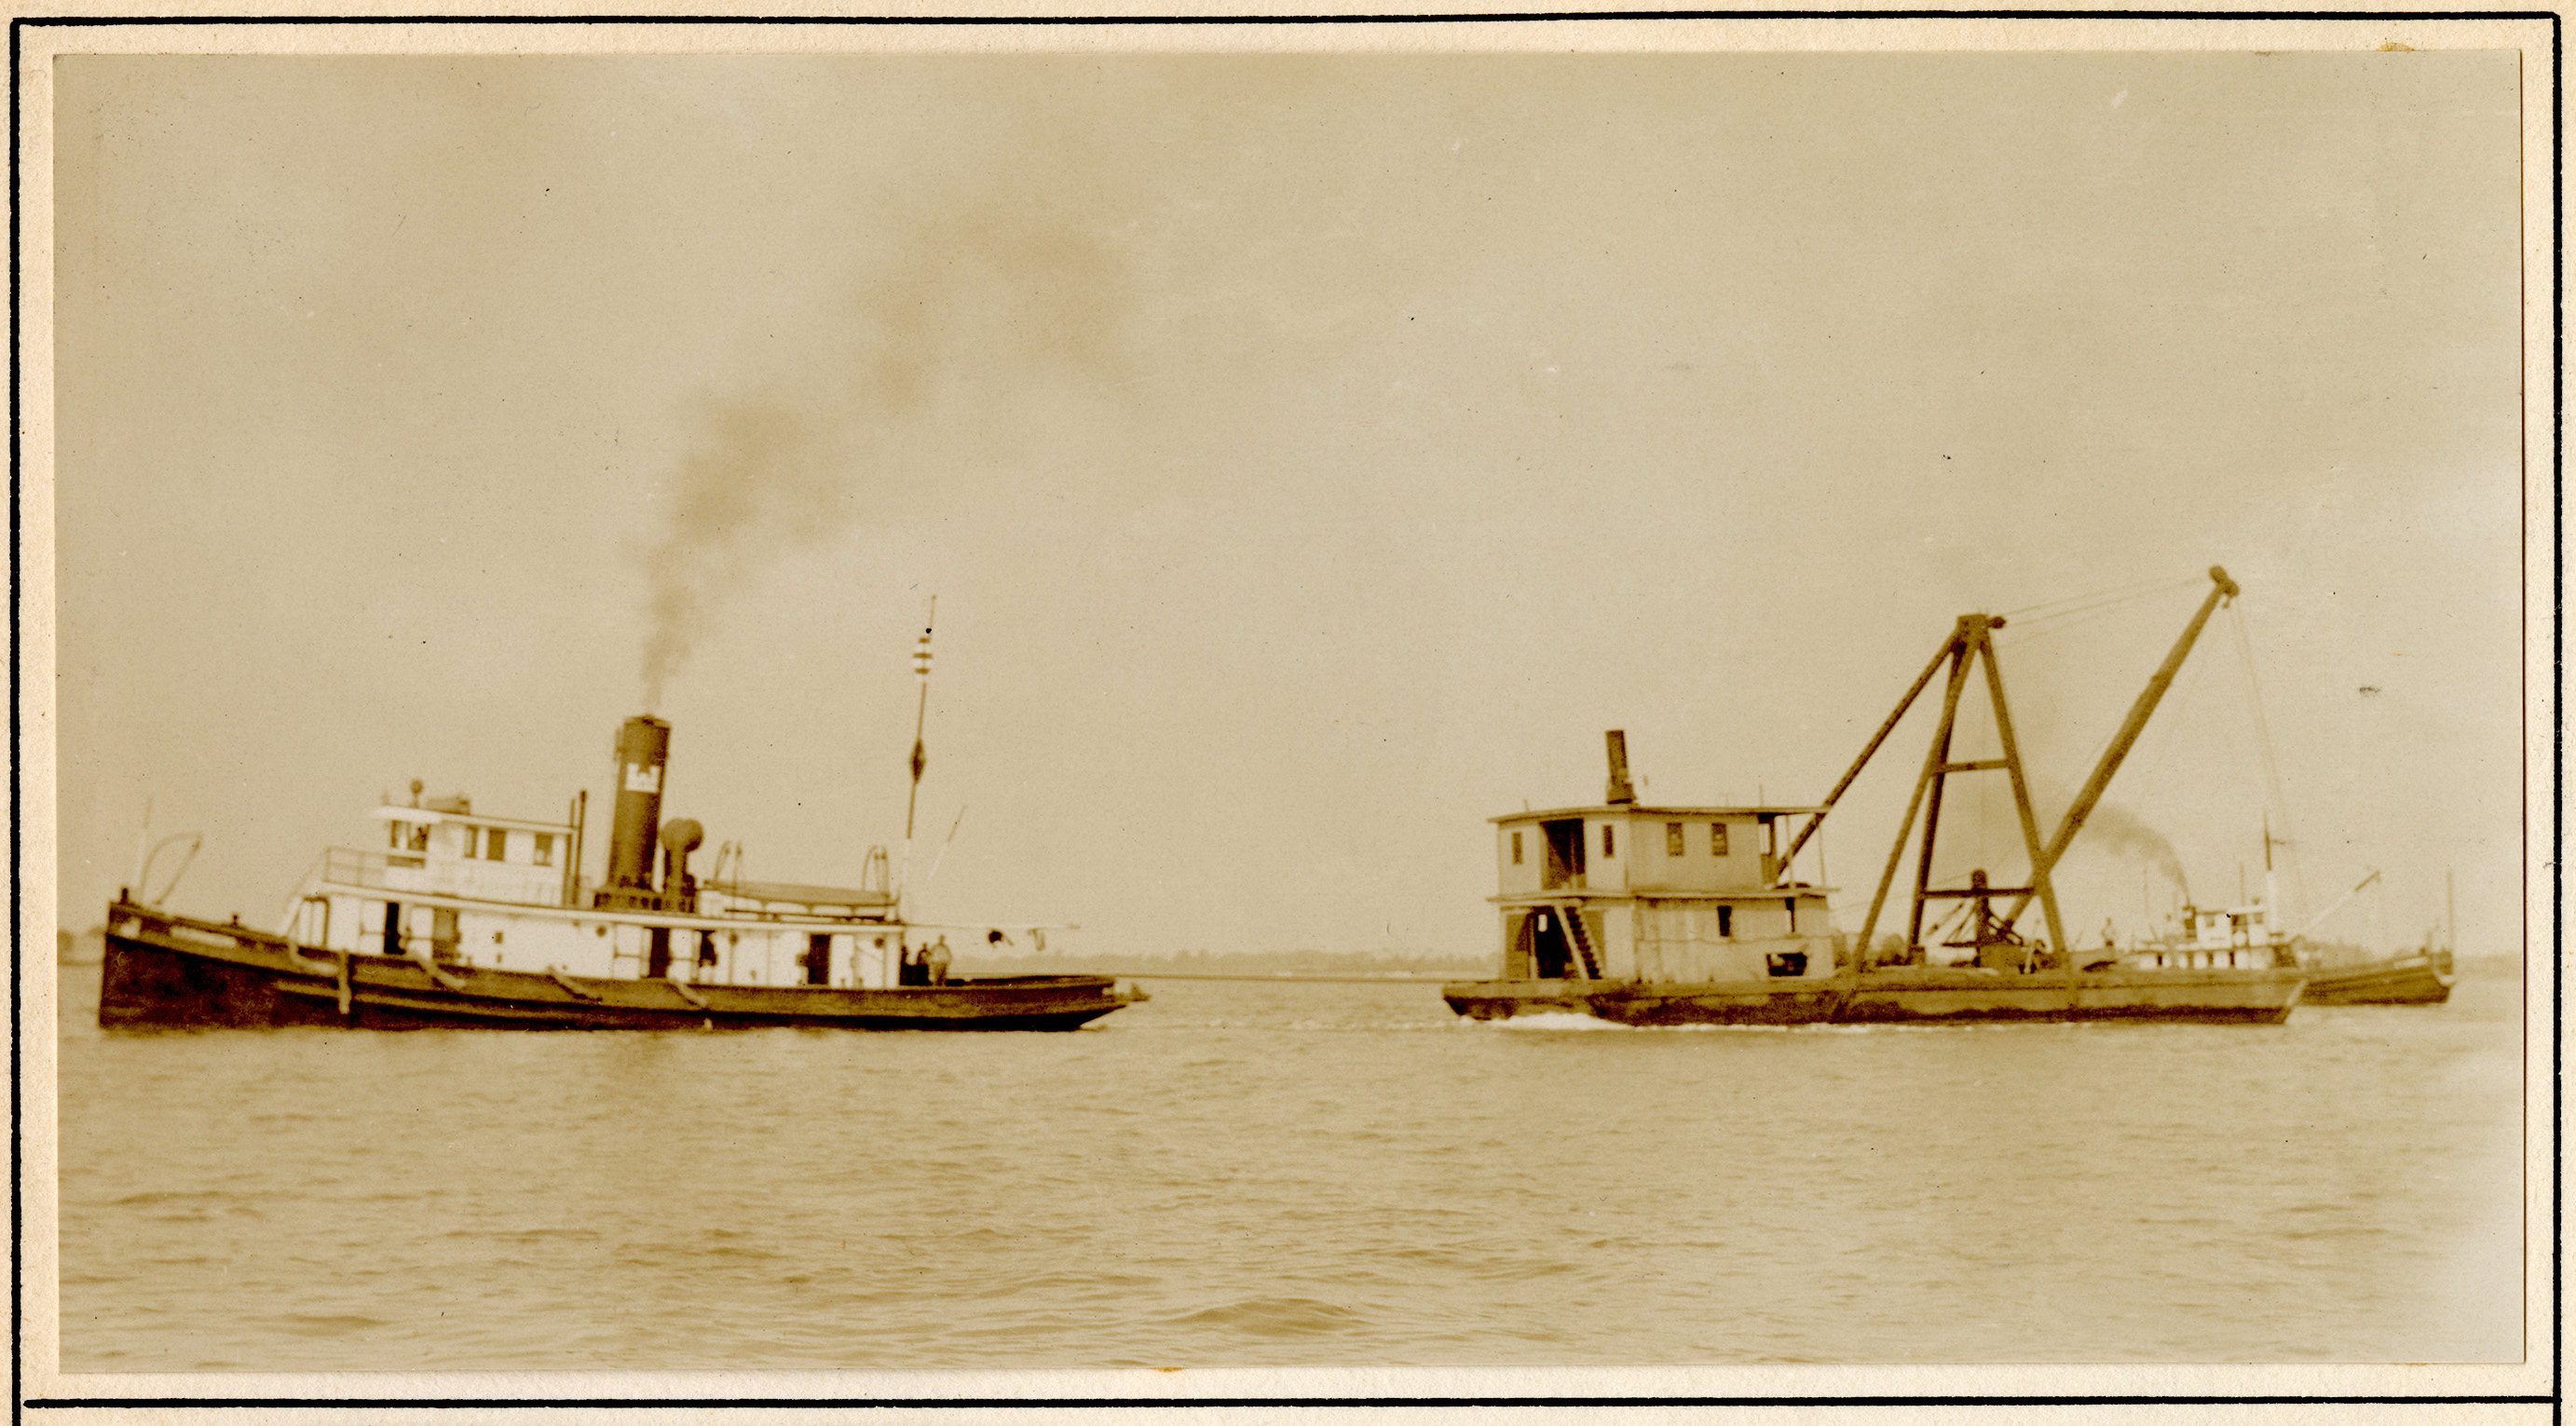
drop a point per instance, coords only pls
(168, 971)
(2410, 980)
(1902, 997)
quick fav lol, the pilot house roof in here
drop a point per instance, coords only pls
(1639, 809)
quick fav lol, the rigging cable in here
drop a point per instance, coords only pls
(2080, 602)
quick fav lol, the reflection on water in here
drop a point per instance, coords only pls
(1247, 1173)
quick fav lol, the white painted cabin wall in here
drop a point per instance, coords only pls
(1607, 873)
(764, 955)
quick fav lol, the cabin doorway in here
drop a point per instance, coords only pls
(1564, 856)
(1551, 954)
(657, 954)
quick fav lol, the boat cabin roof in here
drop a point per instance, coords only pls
(789, 893)
(1639, 809)
(399, 812)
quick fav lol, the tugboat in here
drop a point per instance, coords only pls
(1664, 915)
(460, 918)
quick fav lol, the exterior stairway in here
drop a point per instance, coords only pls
(1580, 936)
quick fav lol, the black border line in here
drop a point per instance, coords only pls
(17, 819)
(1101, 21)
(1130, 1402)
(19, 1404)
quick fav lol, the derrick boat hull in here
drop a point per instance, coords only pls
(2407, 980)
(167, 971)
(1903, 997)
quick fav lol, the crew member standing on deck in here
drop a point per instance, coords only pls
(937, 959)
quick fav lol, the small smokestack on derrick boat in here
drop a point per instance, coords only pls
(1620, 790)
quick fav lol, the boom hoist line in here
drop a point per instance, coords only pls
(1971, 643)
(2221, 590)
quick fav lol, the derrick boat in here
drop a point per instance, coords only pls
(1695, 915)
(459, 918)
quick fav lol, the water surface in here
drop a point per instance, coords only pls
(1294, 1174)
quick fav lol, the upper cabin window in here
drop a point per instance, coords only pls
(1672, 839)
(545, 849)
(1609, 840)
(1717, 839)
(1516, 849)
(495, 842)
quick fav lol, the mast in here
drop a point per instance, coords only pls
(920, 755)
(2271, 885)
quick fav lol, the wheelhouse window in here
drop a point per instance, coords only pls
(1609, 840)
(1516, 849)
(395, 841)
(1717, 839)
(495, 842)
(545, 849)
(1672, 839)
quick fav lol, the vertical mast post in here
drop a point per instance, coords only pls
(1950, 649)
(1936, 769)
(920, 755)
(2021, 803)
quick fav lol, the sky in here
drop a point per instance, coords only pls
(1310, 457)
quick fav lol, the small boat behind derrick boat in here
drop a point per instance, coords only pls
(2422, 977)
(1695, 915)
(460, 918)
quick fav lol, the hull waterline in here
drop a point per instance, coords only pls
(167, 971)
(1926, 997)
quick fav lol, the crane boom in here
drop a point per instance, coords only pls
(2320, 918)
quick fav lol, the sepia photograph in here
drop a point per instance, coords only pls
(1695, 709)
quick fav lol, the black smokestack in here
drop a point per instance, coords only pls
(643, 749)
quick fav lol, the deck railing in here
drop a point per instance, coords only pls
(372, 870)
(348, 866)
